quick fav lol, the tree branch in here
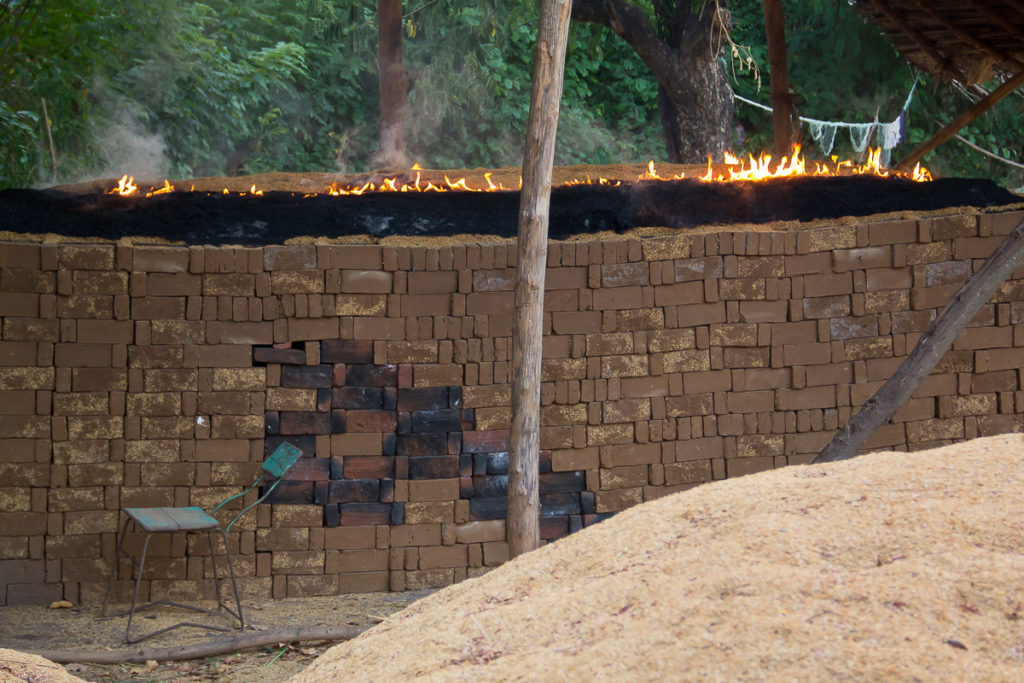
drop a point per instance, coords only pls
(634, 26)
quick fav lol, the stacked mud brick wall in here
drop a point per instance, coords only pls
(162, 375)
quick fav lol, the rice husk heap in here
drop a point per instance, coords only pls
(890, 566)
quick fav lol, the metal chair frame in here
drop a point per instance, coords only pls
(193, 519)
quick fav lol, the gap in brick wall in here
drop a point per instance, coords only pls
(372, 442)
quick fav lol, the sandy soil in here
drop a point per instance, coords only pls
(890, 566)
(83, 628)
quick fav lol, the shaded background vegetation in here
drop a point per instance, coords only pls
(219, 87)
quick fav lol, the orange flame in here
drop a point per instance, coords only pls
(751, 169)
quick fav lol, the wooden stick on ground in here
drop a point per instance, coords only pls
(933, 344)
(527, 334)
(199, 650)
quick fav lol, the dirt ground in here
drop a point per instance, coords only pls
(83, 628)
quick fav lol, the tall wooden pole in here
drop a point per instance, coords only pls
(527, 334)
(929, 350)
(954, 126)
(778, 57)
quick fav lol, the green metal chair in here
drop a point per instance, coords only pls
(187, 519)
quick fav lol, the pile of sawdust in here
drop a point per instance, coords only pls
(18, 667)
(889, 566)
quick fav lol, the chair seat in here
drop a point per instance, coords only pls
(171, 519)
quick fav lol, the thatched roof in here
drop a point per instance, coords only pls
(966, 40)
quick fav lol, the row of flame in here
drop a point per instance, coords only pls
(759, 168)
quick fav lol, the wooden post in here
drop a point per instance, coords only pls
(933, 344)
(954, 126)
(782, 110)
(523, 525)
(393, 84)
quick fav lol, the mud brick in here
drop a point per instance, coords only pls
(292, 493)
(310, 469)
(554, 527)
(87, 355)
(421, 444)
(434, 467)
(358, 421)
(292, 257)
(368, 467)
(30, 329)
(346, 351)
(426, 398)
(332, 516)
(158, 308)
(426, 421)
(494, 280)
(365, 514)
(339, 421)
(488, 508)
(267, 354)
(562, 482)
(307, 376)
(305, 423)
(358, 398)
(358, 375)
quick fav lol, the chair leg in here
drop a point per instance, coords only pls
(135, 594)
(216, 574)
(118, 540)
(234, 583)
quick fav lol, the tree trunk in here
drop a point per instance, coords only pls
(393, 84)
(528, 329)
(694, 97)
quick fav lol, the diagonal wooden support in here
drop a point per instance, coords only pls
(934, 343)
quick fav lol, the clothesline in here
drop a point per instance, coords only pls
(887, 134)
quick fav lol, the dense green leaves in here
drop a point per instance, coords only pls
(215, 87)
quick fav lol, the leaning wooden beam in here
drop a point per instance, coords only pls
(203, 649)
(954, 126)
(782, 118)
(523, 527)
(934, 343)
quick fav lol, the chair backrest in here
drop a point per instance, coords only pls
(275, 468)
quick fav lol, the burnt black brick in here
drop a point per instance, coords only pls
(390, 398)
(337, 467)
(389, 444)
(468, 420)
(398, 513)
(404, 423)
(447, 420)
(427, 398)
(590, 520)
(371, 375)
(563, 482)
(310, 469)
(497, 463)
(323, 400)
(401, 467)
(553, 528)
(465, 488)
(292, 493)
(454, 397)
(307, 376)
(346, 351)
(465, 465)
(337, 421)
(587, 502)
(387, 490)
(487, 508)
(552, 504)
(272, 420)
(480, 464)
(434, 467)
(320, 491)
(305, 423)
(267, 354)
(544, 462)
(575, 523)
(454, 442)
(332, 516)
(306, 444)
(358, 398)
(486, 487)
(421, 444)
(365, 514)
(354, 491)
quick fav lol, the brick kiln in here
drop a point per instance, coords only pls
(139, 374)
